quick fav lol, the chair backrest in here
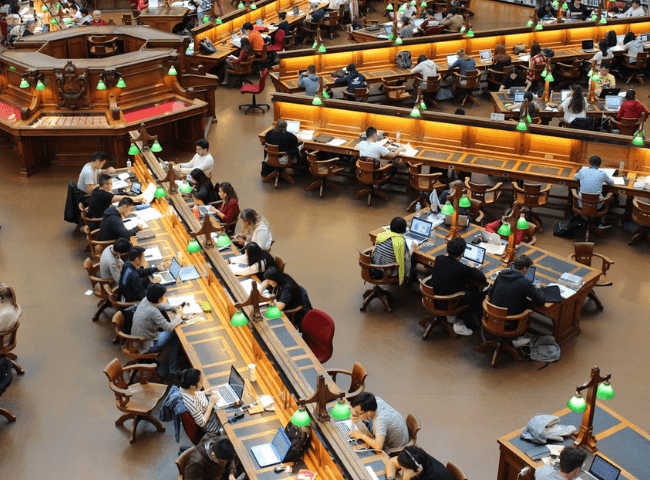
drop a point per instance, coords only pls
(590, 203)
(641, 213)
(244, 67)
(192, 430)
(627, 126)
(641, 61)
(117, 383)
(432, 83)
(358, 378)
(482, 192)
(279, 38)
(365, 262)
(532, 195)
(584, 252)
(455, 471)
(359, 93)
(127, 20)
(3, 28)
(8, 339)
(262, 83)
(432, 31)
(472, 79)
(413, 426)
(424, 182)
(369, 175)
(273, 155)
(497, 321)
(318, 333)
(432, 303)
(181, 462)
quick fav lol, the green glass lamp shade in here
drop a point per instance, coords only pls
(603, 21)
(206, 19)
(44, 8)
(594, 17)
(555, 4)
(67, 20)
(24, 83)
(40, 85)
(530, 23)
(415, 113)
(223, 240)
(522, 224)
(156, 147)
(301, 418)
(504, 230)
(101, 85)
(521, 126)
(638, 140)
(120, 83)
(462, 29)
(528, 119)
(322, 49)
(325, 94)
(160, 192)
(172, 71)
(398, 40)
(565, 6)
(413, 3)
(423, 106)
(595, 77)
(423, 5)
(240, 5)
(239, 320)
(12, 68)
(54, 21)
(253, 6)
(218, 21)
(273, 312)
(315, 44)
(590, 74)
(544, 73)
(185, 188)
(390, 37)
(389, 6)
(577, 403)
(605, 391)
(317, 101)
(549, 77)
(341, 410)
(539, 26)
(447, 209)
(193, 246)
(133, 150)
(464, 202)
(470, 33)
(401, 9)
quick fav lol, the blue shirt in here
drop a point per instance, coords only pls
(591, 180)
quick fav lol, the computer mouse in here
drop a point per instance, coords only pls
(279, 468)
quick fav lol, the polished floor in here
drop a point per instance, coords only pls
(66, 412)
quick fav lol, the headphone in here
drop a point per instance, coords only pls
(418, 467)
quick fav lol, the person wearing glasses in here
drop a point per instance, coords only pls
(387, 430)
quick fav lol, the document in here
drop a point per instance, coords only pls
(133, 222)
(119, 183)
(149, 214)
(409, 151)
(493, 249)
(337, 142)
(306, 135)
(247, 285)
(123, 176)
(619, 180)
(152, 254)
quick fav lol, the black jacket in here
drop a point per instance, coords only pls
(450, 275)
(286, 141)
(75, 196)
(512, 290)
(353, 81)
(134, 282)
(113, 226)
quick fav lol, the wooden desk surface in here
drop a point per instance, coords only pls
(501, 99)
(171, 12)
(619, 441)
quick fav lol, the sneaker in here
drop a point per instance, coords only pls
(460, 329)
(521, 341)
(603, 226)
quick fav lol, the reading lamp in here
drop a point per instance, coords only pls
(239, 319)
(218, 21)
(254, 300)
(597, 386)
(193, 246)
(160, 193)
(321, 396)
(456, 198)
(547, 75)
(185, 188)
(516, 222)
(273, 312)
(639, 135)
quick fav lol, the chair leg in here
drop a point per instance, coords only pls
(12, 359)
(102, 306)
(287, 177)
(430, 322)
(496, 353)
(643, 233)
(327, 183)
(8, 415)
(271, 176)
(313, 185)
(511, 350)
(377, 292)
(361, 193)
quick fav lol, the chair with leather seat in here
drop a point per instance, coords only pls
(455, 471)
(389, 276)
(486, 194)
(97, 283)
(636, 69)
(640, 216)
(273, 160)
(357, 376)
(322, 170)
(192, 430)
(181, 461)
(374, 178)
(440, 307)
(318, 333)
(136, 401)
(395, 90)
(466, 84)
(95, 245)
(359, 94)
(627, 126)
(532, 195)
(590, 211)
(568, 73)
(497, 322)
(432, 31)
(242, 69)
(430, 89)
(255, 89)
(584, 253)
(424, 183)
(131, 344)
(278, 42)
(8, 344)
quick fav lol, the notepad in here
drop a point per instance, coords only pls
(337, 142)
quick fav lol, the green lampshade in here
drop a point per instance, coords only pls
(172, 71)
(67, 20)
(447, 209)
(101, 85)
(185, 188)
(638, 139)
(462, 29)
(464, 202)
(322, 49)
(423, 5)
(605, 391)
(273, 312)
(544, 73)
(156, 147)
(133, 149)
(223, 240)
(54, 21)
(603, 21)
(401, 9)
(521, 126)
(595, 77)
(549, 77)
(413, 3)
(522, 224)
(240, 5)
(555, 4)
(539, 26)
(389, 6)
(470, 33)
(398, 40)
(415, 113)
(40, 85)
(120, 83)
(239, 319)
(390, 37)
(316, 101)
(423, 106)
(590, 74)
(325, 94)
(218, 21)
(301, 418)
(565, 6)
(12, 68)
(24, 83)
(193, 246)
(594, 17)
(160, 192)
(530, 23)
(44, 8)
(504, 230)
(206, 19)
(528, 119)
(341, 410)
(253, 6)
(315, 44)
(577, 403)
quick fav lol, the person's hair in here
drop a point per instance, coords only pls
(255, 254)
(282, 15)
(534, 49)
(135, 252)
(229, 191)
(190, 25)
(606, 65)
(202, 179)
(411, 457)
(398, 225)
(275, 275)
(74, 6)
(155, 292)
(251, 219)
(422, 58)
(370, 132)
(461, 54)
(29, 24)
(126, 201)
(7, 292)
(311, 69)
(459, 111)
(103, 178)
(630, 94)
(532, 109)
(281, 126)
(84, 11)
(190, 377)
(203, 143)
(247, 26)
(528, 96)
(571, 458)
(352, 68)
(610, 38)
(366, 401)
(122, 245)
(431, 12)
(247, 46)
(522, 262)
(456, 246)
(500, 54)
(98, 12)
(638, 2)
(99, 155)
(406, 21)
(595, 161)
(602, 45)
(453, 11)
(223, 449)
(577, 103)
(629, 36)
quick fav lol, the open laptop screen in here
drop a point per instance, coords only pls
(486, 55)
(474, 253)
(613, 101)
(451, 59)
(421, 227)
(174, 268)
(602, 469)
(236, 381)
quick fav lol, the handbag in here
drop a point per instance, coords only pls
(519, 48)
(207, 47)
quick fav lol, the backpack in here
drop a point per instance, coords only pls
(544, 349)
(300, 438)
(444, 94)
(566, 228)
(5, 373)
(403, 59)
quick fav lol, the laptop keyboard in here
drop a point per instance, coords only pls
(167, 277)
(227, 394)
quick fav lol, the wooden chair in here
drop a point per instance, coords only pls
(590, 211)
(333, 22)
(273, 155)
(290, 40)
(229, 227)
(627, 126)
(135, 401)
(359, 94)
(388, 277)
(395, 90)
(322, 170)
(529, 237)
(280, 263)
(496, 321)
(467, 83)
(486, 194)
(96, 246)
(432, 31)
(431, 87)
(291, 313)
(413, 426)
(101, 47)
(116, 304)
(131, 344)
(8, 344)
(476, 211)
(635, 69)
(255, 89)
(532, 195)
(495, 79)
(310, 30)
(424, 183)
(318, 333)
(97, 283)
(584, 253)
(241, 69)
(432, 304)
(7, 414)
(181, 462)
(455, 471)
(536, 72)
(374, 178)
(357, 379)
(568, 73)
(95, 222)
(640, 216)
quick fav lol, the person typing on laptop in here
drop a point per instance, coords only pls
(390, 247)
(631, 107)
(388, 429)
(200, 403)
(512, 289)
(571, 460)
(607, 80)
(102, 197)
(134, 279)
(505, 219)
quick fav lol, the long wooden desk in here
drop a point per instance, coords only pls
(565, 314)
(501, 99)
(619, 441)
(285, 367)
(163, 18)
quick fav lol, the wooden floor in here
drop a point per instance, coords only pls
(66, 413)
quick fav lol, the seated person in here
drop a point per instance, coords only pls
(464, 211)
(111, 263)
(515, 78)
(413, 462)
(571, 460)
(425, 68)
(631, 108)
(501, 62)
(245, 52)
(449, 275)
(537, 58)
(409, 12)
(254, 37)
(591, 180)
(112, 224)
(286, 142)
(288, 294)
(102, 197)
(254, 260)
(91, 172)
(151, 321)
(255, 230)
(229, 208)
(632, 46)
(203, 189)
(30, 27)
(579, 11)
(353, 79)
(636, 10)
(213, 458)
(505, 220)
(388, 429)
(201, 159)
(547, 12)
(574, 106)
(9, 309)
(607, 80)
(309, 81)
(407, 29)
(429, 21)
(97, 20)
(316, 15)
(85, 18)
(532, 106)
(370, 149)
(200, 403)
(134, 278)
(465, 63)
(390, 247)
(603, 53)
(284, 24)
(142, 4)
(454, 21)
(512, 289)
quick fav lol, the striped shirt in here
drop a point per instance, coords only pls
(384, 254)
(197, 406)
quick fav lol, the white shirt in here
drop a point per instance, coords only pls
(570, 116)
(635, 12)
(371, 150)
(409, 11)
(427, 69)
(204, 162)
(8, 315)
(262, 236)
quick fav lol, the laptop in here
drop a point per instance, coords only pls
(619, 39)
(613, 103)
(296, 10)
(491, 238)
(274, 452)
(644, 37)
(530, 274)
(600, 469)
(609, 91)
(588, 46)
(473, 253)
(419, 231)
(293, 126)
(514, 90)
(346, 426)
(388, 29)
(451, 59)
(258, 22)
(565, 94)
(486, 56)
(463, 220)
(230, 394)
(374, 28)
(175, 271)
(323, 137)
(519, 96)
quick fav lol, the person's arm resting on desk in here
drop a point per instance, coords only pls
(373, 442)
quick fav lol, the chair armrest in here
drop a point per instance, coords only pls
(575, 195)
(545, 189)
(495, 188)
(146, 371)
(333, 372)
(523, 314)
(607, 197)
(606, 261)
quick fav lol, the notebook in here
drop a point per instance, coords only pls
(473, 253)
(293, 126)
(323, 137)
(388, 29)
(486, 56)
(274, 452)
(230, 394)
(613, 103)
(147, 195)
(419, 230)
(451, 59)
(600, 469)
(588, 46)
(175, 271)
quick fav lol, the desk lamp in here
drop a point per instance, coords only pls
(524, 117)
(254, 300)
(547, 75)
(321, 396)
(238, 319)
(318, 44)
(597, 386)
(516, 222)
(639, 135)
(207, 229)
(218, 21)
(145, 138)
(320, 94)
(458, 199)
(533, 19)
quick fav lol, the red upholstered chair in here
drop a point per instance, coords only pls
(278, 44)
(255, 90)
(318, 333)
(192, 430)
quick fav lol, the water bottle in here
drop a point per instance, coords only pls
(398, 136)
(418, 206)
(128, 165)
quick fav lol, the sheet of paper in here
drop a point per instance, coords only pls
(493, 249)
(237, 270)
(151, 254)
(409, 151)
(124, 176)
(337, 142)
(133, 222)
(119, 184)
(148, 214)
(382, 142)
(609, 171)
(147, 195)
(619, 180)
(174, 301)
(524, 58)
(307, 135)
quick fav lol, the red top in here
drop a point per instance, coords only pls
(538, 59)
(98, 23)
(230, 211)
(142, 4)
(631, 109)
(494, 226)
(256, 41)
